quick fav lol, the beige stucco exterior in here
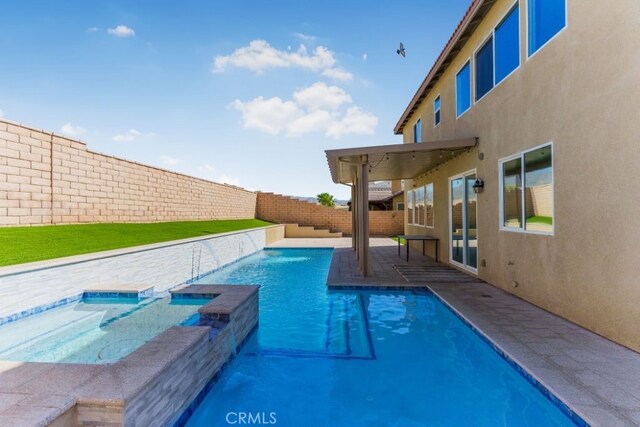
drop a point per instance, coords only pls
(582, 92)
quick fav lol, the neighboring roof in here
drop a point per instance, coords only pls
(465, 28)
(396, 161)
(389, 198)
(379, 190)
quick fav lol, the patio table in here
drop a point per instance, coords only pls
(424, 240)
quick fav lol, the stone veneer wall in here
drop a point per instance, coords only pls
(287, 210)
(163, 265)
(179, 384)
(168, 372)
(49, 179)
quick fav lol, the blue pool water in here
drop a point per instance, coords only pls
(92, 331)
(338, 358)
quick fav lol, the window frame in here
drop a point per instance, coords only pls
(513, 6)
(469, 63)
(439, 110)
(417, 138)
(526, 24)
(520, 155)
(432, 205)
(474, 80)
(410, 204)
(492, 34)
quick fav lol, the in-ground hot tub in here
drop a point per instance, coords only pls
(94, 330)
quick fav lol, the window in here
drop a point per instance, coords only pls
(545, 19)
(463, 89)
(399, 206)
(484, 69)
(428, 201)
(410, 207)
(417, 131)
(436, 111)
(507, 45)
(527, 191)
(418, 207)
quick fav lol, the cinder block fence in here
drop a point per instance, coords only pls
(49, 179)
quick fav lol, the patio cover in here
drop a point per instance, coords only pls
(357, 166)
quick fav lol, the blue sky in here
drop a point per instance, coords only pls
(244, 92)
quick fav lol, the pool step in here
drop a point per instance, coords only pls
(303, 231)
(119, 290)
(433, 274)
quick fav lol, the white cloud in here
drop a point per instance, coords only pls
(121, 31)
(320, 95)
(364, 56)
(71, 130)
(338, 74)
(226, 179)
(355, 121)
(305, 38)
(171, 161)
(314, 121)
(314, 109)
(259, 56)
(128, 136)
(92, 29)
(207, 168)
(268, 115)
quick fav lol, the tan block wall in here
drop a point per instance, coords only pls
(49, 179)
(287, 210)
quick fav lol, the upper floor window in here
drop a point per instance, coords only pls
(436, 111)
(526, 192)
(507, 45)
(463, 89)
(484, 69)
(545, 19)
(417, 131)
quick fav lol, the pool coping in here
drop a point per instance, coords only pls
(547, 391)
(60, 389)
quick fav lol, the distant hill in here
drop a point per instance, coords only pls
(315, 200)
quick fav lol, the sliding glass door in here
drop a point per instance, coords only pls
(463, 214)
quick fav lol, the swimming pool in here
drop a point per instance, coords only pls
(92, 331)
(354, 358)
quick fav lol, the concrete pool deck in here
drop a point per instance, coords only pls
(597, 378)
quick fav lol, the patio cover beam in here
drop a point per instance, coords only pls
(356, 167)
(396, 161)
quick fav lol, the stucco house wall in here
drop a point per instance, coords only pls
(581, 93)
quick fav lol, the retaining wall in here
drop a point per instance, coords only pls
(287, 210)
(33, 287)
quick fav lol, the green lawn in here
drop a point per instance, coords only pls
(402, 241)
(540, 220)
(27, 244)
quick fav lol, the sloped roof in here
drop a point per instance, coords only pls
(476, 12)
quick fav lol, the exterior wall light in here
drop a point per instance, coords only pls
(478, 186)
